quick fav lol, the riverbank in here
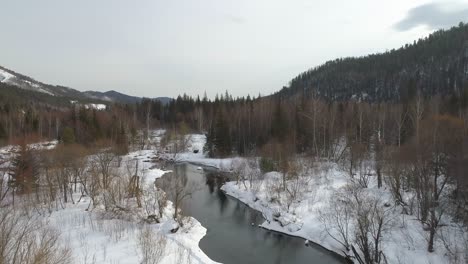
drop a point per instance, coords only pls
(233, 235)
(403, 238)
(95, 234)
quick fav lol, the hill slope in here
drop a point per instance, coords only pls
(18, 80)
(114, 96)
(437, 64)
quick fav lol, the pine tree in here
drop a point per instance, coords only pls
(222, 139)
(209, 146)
(68, 136)
(25, 173)
(279, 125)
(121, 141)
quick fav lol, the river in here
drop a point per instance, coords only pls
(233, 235)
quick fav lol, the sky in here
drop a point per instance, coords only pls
(158, 48)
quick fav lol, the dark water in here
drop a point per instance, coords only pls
(230, 237)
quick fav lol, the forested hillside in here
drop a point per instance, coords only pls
(437, 64)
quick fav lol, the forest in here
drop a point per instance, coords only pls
(407, 128)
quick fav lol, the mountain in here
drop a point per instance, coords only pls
(18, 80)
(114, 96)
(437, 64)
(27, 83)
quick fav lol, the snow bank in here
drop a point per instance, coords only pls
(97, 236)
(405, 241)
(194, 154)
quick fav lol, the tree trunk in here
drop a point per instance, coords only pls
(430, 246)
(379, 177)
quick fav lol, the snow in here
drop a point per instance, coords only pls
(11, 149)
(94, 235)
(98, 243)
(97, 236)
(38, 88)
(90, 106)
(405, 241)
(197, 142)
(5, 76)
(96, 106)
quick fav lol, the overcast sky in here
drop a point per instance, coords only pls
(164, 48)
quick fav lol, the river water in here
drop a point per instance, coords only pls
(233, 235)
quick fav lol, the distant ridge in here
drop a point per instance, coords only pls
(115, 96)
(24, 82)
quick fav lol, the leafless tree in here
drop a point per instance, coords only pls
(5, 168)
(399, 116)
(24, 239)
(178, 189)
(298, 183)
(92, 184)
(337, 219)
(372, 221)
(103, 161)
(154, 202)
(396, 171)
(134, 186)
(416, 114)
(151, 245)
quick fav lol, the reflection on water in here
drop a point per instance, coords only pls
(232, 232)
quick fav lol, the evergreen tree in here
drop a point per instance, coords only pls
(222, 138)
(279, 126)
(209, 146)
(25, 173)
(68, 136)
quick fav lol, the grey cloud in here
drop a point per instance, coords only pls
(434, 16)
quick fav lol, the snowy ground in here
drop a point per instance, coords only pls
(196, 142)
(5, 76)
(98, 236)
(404, 240)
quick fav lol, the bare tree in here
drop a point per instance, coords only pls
(151, 245)
(298, 183)
(5, 169)
(134, 186)
(372, 221)
(337, 219)
(399, 116)
(92, 183)
(395, 175)
(154, 202)
(416, 114)
(25, 240)
(148, 116)
(103, 160)
(176, 186)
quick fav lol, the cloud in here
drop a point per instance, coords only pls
(434, 16)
